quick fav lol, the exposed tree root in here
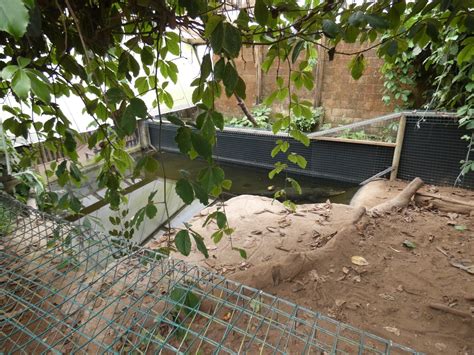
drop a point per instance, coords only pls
(295, 264)
(444, 203)
(264, 275)
(401, 200)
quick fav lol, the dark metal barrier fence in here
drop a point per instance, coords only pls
(432, 149)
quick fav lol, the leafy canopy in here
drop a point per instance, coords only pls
(111, 53)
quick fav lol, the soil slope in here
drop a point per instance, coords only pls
(409, 256)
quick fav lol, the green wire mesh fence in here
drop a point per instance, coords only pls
(65, 290)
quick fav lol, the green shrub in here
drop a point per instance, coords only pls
(261, 113)
(309, 124)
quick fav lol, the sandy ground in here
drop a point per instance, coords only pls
(409, 253)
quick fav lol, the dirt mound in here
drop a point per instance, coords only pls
(407, 260)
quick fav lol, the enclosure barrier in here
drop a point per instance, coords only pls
(403, 145)
(65, 289)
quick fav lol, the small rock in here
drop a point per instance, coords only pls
(356, 278)
(340, 302)
(440, 346)
(256, 232)
(400, 288)
(271, 229)
(332, 271)
(271, 188)
(345, 270)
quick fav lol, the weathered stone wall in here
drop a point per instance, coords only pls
(344, 99)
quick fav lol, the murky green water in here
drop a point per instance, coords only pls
(254, 181)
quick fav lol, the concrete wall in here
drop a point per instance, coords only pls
(345, 100)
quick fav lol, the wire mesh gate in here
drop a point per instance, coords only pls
(64, 290)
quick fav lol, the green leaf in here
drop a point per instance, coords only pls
(357, 66)
(183, 242)
(211, 24)
(240, 88)
(175, 120)
(221, 219)
(200, 244)
(21, 83)
(211, 177)
(460, 228)
(466, 54)
(295, 185)
(115, 95)
(217, 38)
(217, 236)
(219, 69)
(151, 211)
(300, 137)
(356, 18)
(376, 21)
(261, 12)
(201, 145)
(74, 203)
(8, 72)
(330, 28)
(185, 190)
(75, 172)
(128, 121)
(183, 139)
(138, 107)
(297, 50)
(172, 43)
(242, 252)
(146, 55)
(40, 88)
(232, 40)
(14, 17)
(298, 159)
(206, 66)
(23, 62)
(69, 140)
(151, 165)
(230, 78)
(218, 119)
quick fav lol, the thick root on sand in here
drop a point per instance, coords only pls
(271, 274)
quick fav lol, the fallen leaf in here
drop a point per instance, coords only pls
(387, 297)
(409, 244)
(452, 216)
(227, 316)
(392, 330)
(359, 260)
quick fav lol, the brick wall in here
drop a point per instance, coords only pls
(344, 99)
